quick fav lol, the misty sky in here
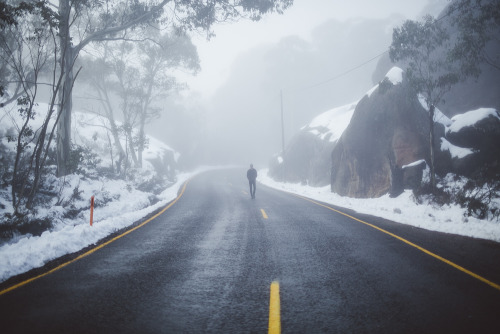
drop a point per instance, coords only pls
(232, 39)
(236, 96)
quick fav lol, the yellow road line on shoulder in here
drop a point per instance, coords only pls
(264, 214)
(274, 309)
(448, 262)
(97, 247)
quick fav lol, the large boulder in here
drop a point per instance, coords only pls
(472, 140)
(477, 129)
(307, 156)
(306, 161)
(388, 130)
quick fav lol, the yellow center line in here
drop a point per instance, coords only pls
(448, 262)
(99, 246)
(264, 214)
(274, 309)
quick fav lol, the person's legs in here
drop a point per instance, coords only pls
(254, 187)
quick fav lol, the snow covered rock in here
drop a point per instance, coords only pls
(307, 157)
(477, 129)
(472, 140)
(388, 130)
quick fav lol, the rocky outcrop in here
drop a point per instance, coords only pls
(307, 156)
(472, 141)
(307, 160)
(380, 144)
(387, 131)
(385, 147)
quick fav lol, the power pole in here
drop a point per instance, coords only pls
(282, 136)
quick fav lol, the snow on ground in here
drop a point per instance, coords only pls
(403, 209)
(118, 202)
(35, 251)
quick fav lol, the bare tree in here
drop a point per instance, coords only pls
(172, 51)
(99, 76)
(28, 49)
(138, 76)
(94, 20)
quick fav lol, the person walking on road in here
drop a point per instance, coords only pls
(252, 176)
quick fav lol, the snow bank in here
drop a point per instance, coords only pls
(403, 209)
(35, 251)
(91, 130)
(118, 202)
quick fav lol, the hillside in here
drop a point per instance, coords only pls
(64, 202)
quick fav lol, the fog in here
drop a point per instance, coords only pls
(232, 113)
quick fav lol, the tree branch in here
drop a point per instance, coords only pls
(100, 35)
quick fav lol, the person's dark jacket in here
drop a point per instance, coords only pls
(252, 174)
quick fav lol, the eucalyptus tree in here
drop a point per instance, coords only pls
(28, 49)
(131, 79)
(12, 18)
(429, 68)
(84, 22)
(158, 59)
(478, 33)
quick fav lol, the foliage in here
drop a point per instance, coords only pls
(140, 75)
(431, 68)
(479, 195)
(478, 24)
(26, 50)
(12, 18)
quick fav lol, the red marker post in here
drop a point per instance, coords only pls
(91, 209)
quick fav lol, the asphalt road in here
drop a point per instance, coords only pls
(207, 263)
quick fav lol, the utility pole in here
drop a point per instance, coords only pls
(282, 136)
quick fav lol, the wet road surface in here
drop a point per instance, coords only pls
(207, 263)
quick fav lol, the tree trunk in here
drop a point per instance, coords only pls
(118, 144)
(142, 138)
(131, 146)
(65, 98)
(431, 142)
